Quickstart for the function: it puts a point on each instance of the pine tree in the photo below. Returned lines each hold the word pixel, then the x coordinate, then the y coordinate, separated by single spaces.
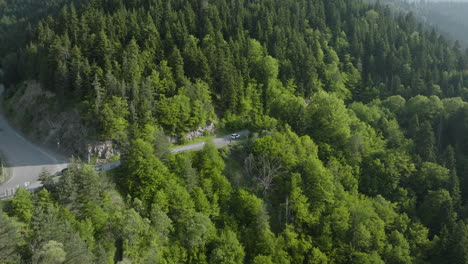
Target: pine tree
pixel 425 142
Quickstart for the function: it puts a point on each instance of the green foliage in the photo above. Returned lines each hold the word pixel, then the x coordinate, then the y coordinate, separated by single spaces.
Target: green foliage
pixel 52 253
pixel 318 185
pixel 22 205
pixel 261 259
pixel 78 187
pixel 252 217
pixel 54 224
pixel 174 112
pixel 196 231
pixel 327 119
pixel 432 177
pixel 357 152
pixel 146 174
pixel 8 240
pixel 399 250
pixel 161 145
pixel 381 173
pixel 365 258
pixel 113 115
pixel 436 209
pixel 228 249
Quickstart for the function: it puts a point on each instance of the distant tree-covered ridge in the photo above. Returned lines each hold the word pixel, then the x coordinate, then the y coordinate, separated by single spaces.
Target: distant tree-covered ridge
pixel 447 16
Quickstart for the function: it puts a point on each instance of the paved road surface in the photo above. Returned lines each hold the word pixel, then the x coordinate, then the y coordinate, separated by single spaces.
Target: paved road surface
pixel 219 142
pixel 25 159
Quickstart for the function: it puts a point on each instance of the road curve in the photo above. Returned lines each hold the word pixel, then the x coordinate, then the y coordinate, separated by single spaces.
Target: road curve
pixel 24 159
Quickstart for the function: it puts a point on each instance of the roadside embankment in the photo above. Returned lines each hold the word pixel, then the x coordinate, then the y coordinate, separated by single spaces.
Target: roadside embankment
pixel 4 171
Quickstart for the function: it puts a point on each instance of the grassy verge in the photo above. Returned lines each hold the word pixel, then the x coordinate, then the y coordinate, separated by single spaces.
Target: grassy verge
pixel 196 140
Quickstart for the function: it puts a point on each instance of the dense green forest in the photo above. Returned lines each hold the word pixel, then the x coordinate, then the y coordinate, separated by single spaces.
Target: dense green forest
pixel 358 154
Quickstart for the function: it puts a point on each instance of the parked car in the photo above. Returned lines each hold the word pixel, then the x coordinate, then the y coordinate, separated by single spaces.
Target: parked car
pixel 235 136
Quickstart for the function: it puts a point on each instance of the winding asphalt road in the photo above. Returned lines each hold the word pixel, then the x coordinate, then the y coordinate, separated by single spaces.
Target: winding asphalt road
pixel 24 159
pixel 219 142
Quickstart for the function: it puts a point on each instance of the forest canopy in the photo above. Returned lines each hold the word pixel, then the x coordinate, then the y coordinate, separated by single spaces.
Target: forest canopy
pixel 357 154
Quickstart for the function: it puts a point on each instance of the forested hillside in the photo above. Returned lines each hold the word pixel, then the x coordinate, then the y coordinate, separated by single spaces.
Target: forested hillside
pixel 359 146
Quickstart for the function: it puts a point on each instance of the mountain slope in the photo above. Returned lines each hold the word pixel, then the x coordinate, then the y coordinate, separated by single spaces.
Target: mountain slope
pixel 358 151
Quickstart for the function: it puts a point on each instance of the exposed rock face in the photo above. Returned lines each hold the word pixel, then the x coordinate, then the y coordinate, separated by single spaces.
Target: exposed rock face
pixel 103 150
pixel 34 112
pixel 210 129
pixel 64 131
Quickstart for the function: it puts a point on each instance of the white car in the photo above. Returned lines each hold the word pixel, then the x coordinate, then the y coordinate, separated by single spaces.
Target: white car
pixel 235 136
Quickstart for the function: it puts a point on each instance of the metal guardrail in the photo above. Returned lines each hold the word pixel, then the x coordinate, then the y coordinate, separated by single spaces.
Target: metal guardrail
pixel 104 167
pixel 9 193
pixel 107 166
